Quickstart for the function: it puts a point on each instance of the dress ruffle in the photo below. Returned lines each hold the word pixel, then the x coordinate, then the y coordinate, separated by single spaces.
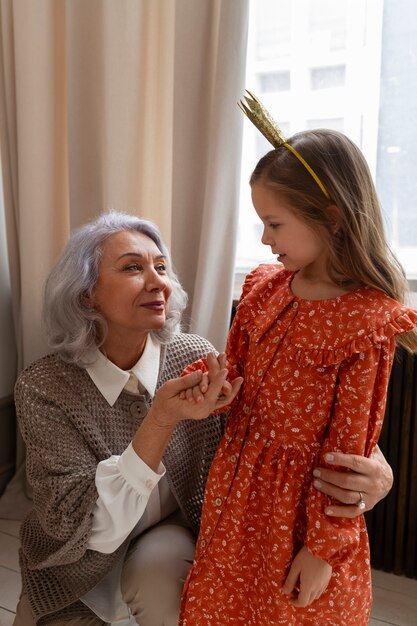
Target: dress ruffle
pixel 327 331
pixel 332 355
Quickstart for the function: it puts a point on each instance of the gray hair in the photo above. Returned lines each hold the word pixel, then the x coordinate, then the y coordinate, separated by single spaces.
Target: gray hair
pixel 71 327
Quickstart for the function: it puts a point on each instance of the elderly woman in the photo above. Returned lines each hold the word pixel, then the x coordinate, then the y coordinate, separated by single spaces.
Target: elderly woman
pixel 116 456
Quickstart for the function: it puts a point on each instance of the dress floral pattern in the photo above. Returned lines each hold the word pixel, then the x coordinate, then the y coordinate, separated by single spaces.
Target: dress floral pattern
pixel 315 380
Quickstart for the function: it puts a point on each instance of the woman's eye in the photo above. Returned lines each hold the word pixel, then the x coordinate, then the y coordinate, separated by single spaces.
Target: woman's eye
pixel 161 268
pixel 132 267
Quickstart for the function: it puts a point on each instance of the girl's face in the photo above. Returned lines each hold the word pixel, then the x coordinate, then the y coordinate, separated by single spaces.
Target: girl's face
pixel 296 244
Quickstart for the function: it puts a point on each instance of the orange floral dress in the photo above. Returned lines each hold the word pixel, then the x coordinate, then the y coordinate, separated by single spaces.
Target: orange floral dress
pixel 315 380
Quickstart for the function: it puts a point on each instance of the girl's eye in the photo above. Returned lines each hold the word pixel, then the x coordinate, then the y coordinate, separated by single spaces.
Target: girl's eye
pixel 274 226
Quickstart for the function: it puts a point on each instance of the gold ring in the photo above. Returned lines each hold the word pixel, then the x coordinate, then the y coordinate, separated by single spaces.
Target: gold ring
pixel 361 502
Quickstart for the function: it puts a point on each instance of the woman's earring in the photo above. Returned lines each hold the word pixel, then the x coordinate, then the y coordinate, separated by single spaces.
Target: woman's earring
pixel 87 303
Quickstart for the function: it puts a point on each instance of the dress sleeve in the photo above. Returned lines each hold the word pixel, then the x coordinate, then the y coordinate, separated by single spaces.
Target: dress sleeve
pixel 124 484
pixel 236 351
pixel 354 428
pixel 237 340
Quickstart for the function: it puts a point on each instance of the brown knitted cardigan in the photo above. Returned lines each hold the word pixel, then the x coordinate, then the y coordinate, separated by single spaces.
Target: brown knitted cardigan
pixel 68 428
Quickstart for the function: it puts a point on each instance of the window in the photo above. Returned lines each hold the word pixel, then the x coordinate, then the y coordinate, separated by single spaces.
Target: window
pixel 274 81
pixel 335 124
pixel 349 65
pixel 327 77
pixel 328 22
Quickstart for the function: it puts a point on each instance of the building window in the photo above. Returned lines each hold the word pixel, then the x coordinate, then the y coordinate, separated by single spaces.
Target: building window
pixel 368 50
pixel 327 77
pixel 274 81
pixel 336 123
pixel 328 23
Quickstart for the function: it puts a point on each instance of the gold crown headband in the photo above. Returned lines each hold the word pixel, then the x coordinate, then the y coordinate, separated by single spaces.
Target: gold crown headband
pixel 263 121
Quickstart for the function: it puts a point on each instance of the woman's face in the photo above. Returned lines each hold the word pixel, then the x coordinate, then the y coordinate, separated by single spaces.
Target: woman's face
pixel 133 288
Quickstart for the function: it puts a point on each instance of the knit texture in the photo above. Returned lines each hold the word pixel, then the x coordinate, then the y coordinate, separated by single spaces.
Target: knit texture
pixel 68 428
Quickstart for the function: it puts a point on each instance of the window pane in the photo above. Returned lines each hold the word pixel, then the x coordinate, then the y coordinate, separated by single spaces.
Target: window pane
pixel 335 124
pixel 355 71
pixel 325 77
pixel 274 81
pixel 272 29
pixel 328 20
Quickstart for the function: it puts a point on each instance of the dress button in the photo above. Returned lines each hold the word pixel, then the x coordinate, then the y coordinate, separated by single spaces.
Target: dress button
pixel 295 305
pixel 218 501
pixel 149 484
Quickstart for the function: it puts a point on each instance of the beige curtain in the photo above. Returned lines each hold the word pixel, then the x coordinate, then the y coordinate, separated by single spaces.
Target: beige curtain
pixel 126 104
pixel 209 72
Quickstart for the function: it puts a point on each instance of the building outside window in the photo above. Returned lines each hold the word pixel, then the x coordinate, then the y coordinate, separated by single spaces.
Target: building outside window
pixel 349 65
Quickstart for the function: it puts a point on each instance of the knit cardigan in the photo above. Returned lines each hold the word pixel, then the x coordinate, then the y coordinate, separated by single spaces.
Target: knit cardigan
pixel 68 428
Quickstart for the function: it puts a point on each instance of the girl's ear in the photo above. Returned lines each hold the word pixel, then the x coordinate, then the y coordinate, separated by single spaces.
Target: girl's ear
pixel 334 214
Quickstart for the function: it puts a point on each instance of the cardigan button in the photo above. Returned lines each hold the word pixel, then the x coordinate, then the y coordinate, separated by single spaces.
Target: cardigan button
pixel 203 543
pixel 138 408
pixel 218 501
pixel 233 458
pixel 260 372
pixel 295 305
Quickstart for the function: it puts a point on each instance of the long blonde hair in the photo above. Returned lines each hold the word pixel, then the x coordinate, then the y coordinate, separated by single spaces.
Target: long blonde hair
pixel 351 221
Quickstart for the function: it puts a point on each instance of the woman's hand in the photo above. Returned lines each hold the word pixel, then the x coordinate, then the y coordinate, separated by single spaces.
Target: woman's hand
pixel 171 405
pixel 308 578
pixel 228 391
pixel 368 479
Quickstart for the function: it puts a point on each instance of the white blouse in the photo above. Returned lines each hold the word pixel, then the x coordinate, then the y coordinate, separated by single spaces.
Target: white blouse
pixel 131 496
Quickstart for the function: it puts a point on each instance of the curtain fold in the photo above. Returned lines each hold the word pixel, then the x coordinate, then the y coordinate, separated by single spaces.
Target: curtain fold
pixel 207 142
pixel 120 98
pixel 128 105
pixel 33 148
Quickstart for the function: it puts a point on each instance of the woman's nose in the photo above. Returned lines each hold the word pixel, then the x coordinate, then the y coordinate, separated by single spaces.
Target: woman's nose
pixel 155 281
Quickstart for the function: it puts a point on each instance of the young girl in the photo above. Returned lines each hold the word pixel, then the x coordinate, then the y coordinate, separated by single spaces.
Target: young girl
pixel 314 338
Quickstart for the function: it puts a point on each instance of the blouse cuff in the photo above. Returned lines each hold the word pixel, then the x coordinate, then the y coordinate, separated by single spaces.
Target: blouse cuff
pixel 136 473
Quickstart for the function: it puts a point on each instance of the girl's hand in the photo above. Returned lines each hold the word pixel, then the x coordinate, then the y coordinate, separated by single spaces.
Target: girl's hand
pixel 372 477
pixel 308 575
pixel 229 390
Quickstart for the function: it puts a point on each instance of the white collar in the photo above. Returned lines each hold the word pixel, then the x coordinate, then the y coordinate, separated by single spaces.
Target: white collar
pixel 110 380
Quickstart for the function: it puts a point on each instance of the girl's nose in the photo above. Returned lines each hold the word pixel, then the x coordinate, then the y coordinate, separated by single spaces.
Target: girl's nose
pixel 266 240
